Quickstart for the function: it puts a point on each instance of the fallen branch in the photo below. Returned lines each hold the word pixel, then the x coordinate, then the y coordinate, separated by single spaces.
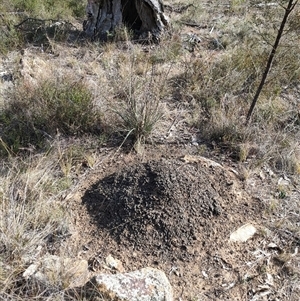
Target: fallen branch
pixel 192 24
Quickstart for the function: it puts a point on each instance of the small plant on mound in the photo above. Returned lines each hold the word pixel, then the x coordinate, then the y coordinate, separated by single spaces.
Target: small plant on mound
pixel 33 115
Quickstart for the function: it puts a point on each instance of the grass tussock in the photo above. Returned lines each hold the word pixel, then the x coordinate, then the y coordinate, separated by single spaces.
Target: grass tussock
pixel 34 114
pixel 31 217
pixel 138 103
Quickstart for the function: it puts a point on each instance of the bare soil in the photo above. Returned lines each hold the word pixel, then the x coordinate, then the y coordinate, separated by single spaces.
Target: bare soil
pixel 176 213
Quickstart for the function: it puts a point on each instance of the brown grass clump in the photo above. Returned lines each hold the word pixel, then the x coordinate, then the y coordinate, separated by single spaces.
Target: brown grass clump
pixel 33 115
pixel 137 100
pixel 31 216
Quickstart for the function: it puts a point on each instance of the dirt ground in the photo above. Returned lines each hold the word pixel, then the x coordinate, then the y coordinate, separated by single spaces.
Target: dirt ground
pixel 173 210
pixel 170 209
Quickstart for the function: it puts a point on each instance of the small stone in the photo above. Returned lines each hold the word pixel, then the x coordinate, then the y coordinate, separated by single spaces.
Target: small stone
pixel 49 267
pixel 272 245
pixel 283 181
pixel 243 233
pixel 114 264
pixel 270 279
pixel 30 271
pixel 262 175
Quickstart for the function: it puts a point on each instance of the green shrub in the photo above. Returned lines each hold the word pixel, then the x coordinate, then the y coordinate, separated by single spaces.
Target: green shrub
pixel 16 11
pixel 34 115
pixel 50 9
pixel 10 38
pixel 77 8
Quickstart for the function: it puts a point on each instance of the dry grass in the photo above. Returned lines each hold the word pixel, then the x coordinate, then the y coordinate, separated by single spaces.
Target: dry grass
pixel 223 80
pixel 53 122
pixel 138 98
pixel 32 215
pixel 33 115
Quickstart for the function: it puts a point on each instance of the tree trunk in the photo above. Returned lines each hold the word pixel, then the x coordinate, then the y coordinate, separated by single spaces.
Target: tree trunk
pixel 144 17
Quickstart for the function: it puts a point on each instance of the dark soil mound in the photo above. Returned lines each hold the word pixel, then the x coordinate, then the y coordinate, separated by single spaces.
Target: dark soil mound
pixel 161 205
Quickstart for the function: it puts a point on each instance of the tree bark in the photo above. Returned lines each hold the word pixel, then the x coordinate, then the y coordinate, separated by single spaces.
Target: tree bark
pixel 142 16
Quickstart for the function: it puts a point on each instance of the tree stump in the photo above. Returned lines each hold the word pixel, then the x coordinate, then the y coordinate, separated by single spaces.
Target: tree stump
pixel 145 17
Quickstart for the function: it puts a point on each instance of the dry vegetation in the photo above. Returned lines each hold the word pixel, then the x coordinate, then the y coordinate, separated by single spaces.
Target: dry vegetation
pixel 63 98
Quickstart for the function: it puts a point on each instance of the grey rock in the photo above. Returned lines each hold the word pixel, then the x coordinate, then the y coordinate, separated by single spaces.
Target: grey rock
pixel 147 284
pixel 243 233
pixel 51 269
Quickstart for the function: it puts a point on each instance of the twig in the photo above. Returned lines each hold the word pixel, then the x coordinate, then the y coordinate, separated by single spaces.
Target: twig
pixel 288 10
pixel 178 9
pixel 191 24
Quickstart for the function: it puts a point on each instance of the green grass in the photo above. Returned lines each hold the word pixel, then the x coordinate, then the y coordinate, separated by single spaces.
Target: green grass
pixel 16 11
pixel 33 115
pixel 45 9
